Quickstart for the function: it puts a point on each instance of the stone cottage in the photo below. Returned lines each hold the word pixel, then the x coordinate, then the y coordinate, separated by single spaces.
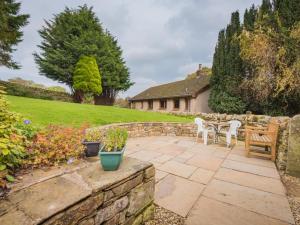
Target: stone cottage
pixel 189 95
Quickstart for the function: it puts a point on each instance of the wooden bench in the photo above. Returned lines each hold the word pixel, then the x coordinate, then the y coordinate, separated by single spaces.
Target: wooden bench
pixel 262 136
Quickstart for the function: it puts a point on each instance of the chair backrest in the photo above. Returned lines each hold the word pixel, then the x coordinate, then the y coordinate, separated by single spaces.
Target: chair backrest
pixel 200 123
pixel 234 126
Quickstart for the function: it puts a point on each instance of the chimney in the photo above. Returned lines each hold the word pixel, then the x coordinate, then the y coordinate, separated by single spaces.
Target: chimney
pixel 198 72
pixel 200 66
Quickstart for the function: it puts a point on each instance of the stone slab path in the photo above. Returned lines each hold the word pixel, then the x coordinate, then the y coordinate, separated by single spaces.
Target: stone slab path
pixel 213 185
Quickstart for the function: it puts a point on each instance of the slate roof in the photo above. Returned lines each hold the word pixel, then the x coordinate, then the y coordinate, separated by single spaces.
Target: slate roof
pixel 182 88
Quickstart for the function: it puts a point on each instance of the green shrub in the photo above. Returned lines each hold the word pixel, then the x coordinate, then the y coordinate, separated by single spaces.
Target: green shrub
pixel 93 135
pixel 12 141
pixel 115 139
pixel 33 92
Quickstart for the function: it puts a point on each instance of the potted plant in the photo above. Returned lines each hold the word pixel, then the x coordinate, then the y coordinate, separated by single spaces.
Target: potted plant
pixel 93 142
pixel 111 153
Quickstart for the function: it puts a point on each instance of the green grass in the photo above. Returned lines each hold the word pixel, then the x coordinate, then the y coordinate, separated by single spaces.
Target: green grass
pixel 44 112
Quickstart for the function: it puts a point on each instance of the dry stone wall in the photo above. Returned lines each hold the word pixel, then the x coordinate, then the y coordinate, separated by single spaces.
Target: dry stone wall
pixel 85 195
pixel 293 163
pixel 189 129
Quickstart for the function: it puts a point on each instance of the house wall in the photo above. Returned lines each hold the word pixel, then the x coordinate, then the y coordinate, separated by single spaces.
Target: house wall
pixel 198 104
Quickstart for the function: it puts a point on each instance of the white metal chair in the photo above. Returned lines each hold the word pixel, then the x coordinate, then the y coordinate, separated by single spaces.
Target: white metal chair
pixel 234 125
pixel 204 130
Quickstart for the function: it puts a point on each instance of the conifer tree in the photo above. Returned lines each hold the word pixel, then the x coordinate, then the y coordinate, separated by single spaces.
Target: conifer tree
pixel 86 78
pixel 11 23
pixel 77 32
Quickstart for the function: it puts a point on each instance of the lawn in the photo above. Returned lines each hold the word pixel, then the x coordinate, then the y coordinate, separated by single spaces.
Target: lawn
pixel 44 112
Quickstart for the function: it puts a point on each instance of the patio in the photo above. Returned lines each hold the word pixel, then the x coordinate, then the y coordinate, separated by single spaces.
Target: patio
pixel 213 185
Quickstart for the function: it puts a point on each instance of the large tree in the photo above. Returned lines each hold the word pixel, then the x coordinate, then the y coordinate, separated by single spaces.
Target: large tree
pixel 227 70
pixel 77 32
pixel 86 77
pixel 11 22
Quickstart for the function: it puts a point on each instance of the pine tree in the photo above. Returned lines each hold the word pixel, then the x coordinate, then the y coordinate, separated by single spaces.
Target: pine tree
pixel 10 34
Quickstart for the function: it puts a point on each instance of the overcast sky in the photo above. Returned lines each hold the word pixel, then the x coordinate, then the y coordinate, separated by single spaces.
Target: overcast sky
pixel 162 40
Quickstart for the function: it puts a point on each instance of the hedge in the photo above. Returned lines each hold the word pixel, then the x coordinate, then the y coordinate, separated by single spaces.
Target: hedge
pixel 33 92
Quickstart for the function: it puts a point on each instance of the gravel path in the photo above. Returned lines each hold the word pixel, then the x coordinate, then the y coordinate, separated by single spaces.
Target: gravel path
pixel 165 217
pixel 292 185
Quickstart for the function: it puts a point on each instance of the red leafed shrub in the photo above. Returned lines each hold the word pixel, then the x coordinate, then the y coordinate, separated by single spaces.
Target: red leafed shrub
pixel 54 145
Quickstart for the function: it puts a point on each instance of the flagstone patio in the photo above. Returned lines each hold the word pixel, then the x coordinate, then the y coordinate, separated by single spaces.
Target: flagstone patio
pixel 213 185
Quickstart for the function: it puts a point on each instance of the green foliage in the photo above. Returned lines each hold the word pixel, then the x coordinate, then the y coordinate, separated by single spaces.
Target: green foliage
pixel 57 89
pixel 54 145
pixel 86 77
pixel 115 139
pixel 227 70
pixel 11 23
pixel 222 102
pixel 93 135
pixel 12 141
pixel 257 64
pixel 77 32
pixel 33 92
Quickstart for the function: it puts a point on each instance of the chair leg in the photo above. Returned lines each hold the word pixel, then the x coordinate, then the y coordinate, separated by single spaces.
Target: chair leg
pixel 205 136
pixel 273 152
pixel 228 139
pixel 247 147
pixel 236 140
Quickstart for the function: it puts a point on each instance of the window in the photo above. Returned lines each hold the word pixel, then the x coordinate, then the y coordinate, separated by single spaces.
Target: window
pixel 187 104
pixel 142 104
pixel 176 103
pixel 133 105
pixel 163 104
pixel 150 104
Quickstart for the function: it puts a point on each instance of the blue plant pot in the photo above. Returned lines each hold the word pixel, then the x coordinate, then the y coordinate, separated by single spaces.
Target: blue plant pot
pixel 110 161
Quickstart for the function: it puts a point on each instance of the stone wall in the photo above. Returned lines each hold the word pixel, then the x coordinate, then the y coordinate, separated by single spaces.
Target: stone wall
pixel 293 163
pixel 83 195
pixel 189 129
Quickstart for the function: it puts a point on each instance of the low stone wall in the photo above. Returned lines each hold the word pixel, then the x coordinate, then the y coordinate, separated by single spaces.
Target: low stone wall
pixel 293 163
pixel 84 195
pixel 189 129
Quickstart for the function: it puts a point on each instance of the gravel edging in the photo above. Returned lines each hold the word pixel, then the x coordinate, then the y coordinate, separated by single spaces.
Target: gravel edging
pixel 165 217
pixel 292 185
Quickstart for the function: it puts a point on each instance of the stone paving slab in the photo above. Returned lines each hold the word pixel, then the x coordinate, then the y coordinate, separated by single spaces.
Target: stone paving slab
pixel 215 185
pixel 272 205
pixel 250 168
pixel 145 155
pixel 171 149
pixel 251 180
pixel 160 175
pixel 211 212
pixel 177 168
pixel 205 162
pixel 162 158
pixel 255 161
pixel 177 194
pixel 15 217
pixel 202 176
pixel 39 201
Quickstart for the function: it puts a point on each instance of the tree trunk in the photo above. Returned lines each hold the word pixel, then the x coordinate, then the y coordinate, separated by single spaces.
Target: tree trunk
pixel 78 96
pixel 106 98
